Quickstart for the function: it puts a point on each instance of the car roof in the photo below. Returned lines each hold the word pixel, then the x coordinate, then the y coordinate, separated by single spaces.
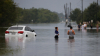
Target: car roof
pixel 18 26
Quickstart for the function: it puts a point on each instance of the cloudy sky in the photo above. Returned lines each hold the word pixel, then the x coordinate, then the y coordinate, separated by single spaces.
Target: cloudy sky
pixel 53 5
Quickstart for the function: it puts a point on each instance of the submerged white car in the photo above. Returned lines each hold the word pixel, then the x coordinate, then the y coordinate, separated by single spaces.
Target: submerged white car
pixel 19 31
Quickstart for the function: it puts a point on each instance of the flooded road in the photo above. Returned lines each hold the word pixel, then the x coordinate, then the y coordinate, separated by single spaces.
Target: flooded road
pixel 86 43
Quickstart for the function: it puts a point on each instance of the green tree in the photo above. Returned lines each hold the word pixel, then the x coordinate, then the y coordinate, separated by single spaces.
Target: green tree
pixel 91 12
pixel 61 16
pixel 37 15
pixel 19 12
pixel 7 12
pixel 75 14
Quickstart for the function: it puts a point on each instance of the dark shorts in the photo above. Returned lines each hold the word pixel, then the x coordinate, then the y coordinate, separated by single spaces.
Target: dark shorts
pixel 91 26
pixel 84 27
pixel 56 37
pixel 71 37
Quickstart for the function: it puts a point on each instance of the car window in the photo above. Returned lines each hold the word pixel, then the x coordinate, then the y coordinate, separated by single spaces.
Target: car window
pixel 28 29
pixel 15 28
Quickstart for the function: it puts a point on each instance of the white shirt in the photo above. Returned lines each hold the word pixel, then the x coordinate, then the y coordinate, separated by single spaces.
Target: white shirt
pixel 82 27
pixel 85 25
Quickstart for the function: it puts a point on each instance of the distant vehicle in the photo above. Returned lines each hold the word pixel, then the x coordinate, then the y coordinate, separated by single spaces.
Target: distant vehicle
pixel 19 31
pixel 72 24
pixel 69 24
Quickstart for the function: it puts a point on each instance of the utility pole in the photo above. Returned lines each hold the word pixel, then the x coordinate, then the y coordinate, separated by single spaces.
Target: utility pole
pixel 68 12
pixel 97 11
pixel 82 11
pixel 70 8
pixel 65 8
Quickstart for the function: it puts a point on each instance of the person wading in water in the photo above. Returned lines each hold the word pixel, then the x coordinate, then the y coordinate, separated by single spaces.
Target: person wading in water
pixel 56 34
pixel 71 33
pixel 79 26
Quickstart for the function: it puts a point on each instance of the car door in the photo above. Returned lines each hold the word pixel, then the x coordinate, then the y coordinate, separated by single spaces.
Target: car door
pixel 30 32
pixel 27 31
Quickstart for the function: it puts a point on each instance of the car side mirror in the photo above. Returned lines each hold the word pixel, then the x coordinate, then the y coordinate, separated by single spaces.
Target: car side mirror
pixel 33 31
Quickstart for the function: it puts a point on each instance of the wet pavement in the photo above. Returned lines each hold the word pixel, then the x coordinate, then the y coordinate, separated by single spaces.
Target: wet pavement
pixel 86 43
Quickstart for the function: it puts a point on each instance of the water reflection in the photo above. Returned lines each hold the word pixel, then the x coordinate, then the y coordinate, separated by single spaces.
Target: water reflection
pixel 18 40
pixel 86 43
pixel 71 45
pixel 14 39
pixel 97 26
pixel 97 30
pixel 71 40
pixel 56 45
pixel 56 49
pixel 3 46
pixel 18 43
pixel 84 32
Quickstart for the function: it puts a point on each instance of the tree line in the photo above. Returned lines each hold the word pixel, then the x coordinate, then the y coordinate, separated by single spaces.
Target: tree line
pixel 34 15
pixel 92 12
pixel 10 14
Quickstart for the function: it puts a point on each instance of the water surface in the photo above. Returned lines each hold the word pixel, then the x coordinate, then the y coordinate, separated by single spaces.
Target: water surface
pixel 86 43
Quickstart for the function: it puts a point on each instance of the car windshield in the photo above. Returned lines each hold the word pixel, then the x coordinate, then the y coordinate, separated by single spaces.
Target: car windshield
pixel 15 28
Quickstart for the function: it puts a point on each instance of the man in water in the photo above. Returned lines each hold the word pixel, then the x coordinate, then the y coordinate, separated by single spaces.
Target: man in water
pixel 91 26
pixel 56 33
pixel 79 26
pixel 71 33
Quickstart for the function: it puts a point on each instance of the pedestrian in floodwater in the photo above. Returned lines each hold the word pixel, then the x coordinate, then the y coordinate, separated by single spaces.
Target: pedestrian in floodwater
pixel 56 34
pixel 79 26
pixel 85 26
pixel 82 27
pixel 97 26
pixel 71 33
pixel 91 26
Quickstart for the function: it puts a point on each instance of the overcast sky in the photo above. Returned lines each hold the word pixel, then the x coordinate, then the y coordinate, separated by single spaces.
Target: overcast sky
pixel 53 5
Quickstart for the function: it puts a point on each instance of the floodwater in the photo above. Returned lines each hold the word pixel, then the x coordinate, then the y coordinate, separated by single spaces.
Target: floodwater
pixel 86 43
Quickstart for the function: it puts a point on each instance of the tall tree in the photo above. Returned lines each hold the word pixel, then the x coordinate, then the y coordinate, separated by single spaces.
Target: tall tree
pixel 75 14
pixel 7 12
pixel 91 12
